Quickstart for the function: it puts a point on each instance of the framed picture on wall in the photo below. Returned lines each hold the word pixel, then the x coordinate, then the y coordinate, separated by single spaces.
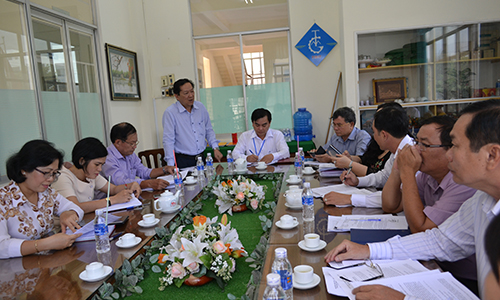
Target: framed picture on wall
pixel 388 90
pixel 122 73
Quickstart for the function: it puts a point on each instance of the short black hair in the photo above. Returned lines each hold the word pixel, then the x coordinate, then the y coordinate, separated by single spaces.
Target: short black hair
pixel 345 112
pixel 479 106
pixel 393 120
pixel 261 113
pixel 492 245
pixel 484 128
pixel 445 125
pixel 389 104
pixel 121 131
pixel 179 83
pixel 88 148
pixel 35 153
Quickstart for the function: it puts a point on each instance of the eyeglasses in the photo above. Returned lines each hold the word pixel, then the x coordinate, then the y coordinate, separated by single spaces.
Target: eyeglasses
pixel 132 143
pixel 424 146
pixel 372 276
pixel 338 125
pixel 47 175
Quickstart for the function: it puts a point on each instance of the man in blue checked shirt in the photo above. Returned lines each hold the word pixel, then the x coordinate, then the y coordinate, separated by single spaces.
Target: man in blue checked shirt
pixel 187 128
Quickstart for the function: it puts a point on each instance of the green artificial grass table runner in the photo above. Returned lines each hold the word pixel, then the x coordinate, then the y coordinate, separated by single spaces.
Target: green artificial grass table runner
pixel 249 229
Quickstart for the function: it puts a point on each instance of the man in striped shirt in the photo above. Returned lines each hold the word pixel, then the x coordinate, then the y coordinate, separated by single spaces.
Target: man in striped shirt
pixel 474 160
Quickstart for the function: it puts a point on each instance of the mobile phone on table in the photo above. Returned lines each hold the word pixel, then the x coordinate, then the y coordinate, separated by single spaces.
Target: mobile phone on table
pixel 318 152
pixel 335 149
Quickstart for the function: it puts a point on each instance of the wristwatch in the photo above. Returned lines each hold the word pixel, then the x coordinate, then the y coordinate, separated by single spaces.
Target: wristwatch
pixel 164 172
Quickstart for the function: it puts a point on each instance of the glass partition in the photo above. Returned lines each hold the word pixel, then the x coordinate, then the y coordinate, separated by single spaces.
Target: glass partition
pixel 52 73
pixel 19 121
pixel 78 9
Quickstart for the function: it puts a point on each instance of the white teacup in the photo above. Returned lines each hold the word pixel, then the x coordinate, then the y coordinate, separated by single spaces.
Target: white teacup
pixel 127 239
pixel 294 178
pixel 94 270
pixel 311 240
pixel 261 164
pixel 287 220
pixel 190 179
pixel 303 274
pixel 149 218
pixel 308 170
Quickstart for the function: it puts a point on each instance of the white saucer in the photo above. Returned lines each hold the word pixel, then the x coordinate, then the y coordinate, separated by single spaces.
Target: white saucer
pixel 261 168
pixel 292 206
pixel 120 245
pixel 240 171
pixel 294 182
pixel 146 225
pixel 295 223
pixel 302 245
pixel 301 286
pixel 308 173
pixel 190 182
pixel 171 209
pixel 107 271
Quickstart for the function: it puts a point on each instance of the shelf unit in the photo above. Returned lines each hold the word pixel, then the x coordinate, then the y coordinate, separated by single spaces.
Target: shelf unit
pixel 446 67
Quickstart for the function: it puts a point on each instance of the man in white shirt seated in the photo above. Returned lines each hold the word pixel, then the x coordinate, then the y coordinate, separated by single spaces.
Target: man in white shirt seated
pixel 262 143
pixel 474 161
pixel 390 127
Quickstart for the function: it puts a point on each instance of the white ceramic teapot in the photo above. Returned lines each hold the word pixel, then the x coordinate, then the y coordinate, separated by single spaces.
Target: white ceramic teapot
pixel 240 164
pixel 294 196
pixel 167 201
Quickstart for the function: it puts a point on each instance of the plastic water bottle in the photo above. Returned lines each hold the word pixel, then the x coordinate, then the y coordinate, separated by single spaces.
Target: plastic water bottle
pixel 273 290
pixel 210 163
pixel 200 167
pixel 282 267
pixel 230 161
pixel 298 164
pixel 302 155
pixel 101 232
pixel 308 208
pixel 179 185
pixel 302 125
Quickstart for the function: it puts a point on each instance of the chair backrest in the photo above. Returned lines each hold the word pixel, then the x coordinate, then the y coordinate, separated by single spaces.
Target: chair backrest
pixel 152 158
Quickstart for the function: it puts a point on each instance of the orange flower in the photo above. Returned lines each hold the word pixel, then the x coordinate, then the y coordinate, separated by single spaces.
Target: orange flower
pixel 228 251
pixel 224 184
pixel 238 253
pixel 230 182
pixel 161 258
pixel 199 220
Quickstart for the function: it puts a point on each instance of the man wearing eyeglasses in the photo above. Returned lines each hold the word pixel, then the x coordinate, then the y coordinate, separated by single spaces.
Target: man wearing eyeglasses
pixel 430 196
pixel 124 166
pixel 474 161
pixel 346 136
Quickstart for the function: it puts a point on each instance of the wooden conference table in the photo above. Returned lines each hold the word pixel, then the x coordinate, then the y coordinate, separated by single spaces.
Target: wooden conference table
pixel 57 273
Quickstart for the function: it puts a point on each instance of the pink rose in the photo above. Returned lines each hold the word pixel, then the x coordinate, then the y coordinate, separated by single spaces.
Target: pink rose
pixel 177 270
pixel 219 247
pixel 243 185
pixel 254 203
pixel 240 196
pixel 193 267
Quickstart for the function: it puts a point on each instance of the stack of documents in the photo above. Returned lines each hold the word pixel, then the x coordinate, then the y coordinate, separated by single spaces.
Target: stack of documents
pixel 329 170
pixel 348 222
pixel 406 276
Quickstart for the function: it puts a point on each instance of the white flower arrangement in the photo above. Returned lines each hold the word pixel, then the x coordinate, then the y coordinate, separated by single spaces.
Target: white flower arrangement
pixel 209 249
pixel 238 192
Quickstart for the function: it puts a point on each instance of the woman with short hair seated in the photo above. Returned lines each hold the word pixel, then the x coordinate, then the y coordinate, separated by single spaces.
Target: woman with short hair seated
pixel 79 182
pixel 29 204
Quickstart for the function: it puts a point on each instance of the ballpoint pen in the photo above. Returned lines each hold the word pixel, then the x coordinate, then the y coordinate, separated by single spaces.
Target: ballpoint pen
pixel 347 174
pixel 115 236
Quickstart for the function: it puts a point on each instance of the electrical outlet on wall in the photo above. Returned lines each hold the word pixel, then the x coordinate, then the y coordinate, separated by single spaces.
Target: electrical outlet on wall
pixel 171 79
pixel 164 80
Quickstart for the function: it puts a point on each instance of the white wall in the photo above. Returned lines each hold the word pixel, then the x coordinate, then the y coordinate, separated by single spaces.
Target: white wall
pixel 315 87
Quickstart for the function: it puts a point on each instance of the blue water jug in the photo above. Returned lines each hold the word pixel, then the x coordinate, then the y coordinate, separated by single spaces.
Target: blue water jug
pixel 302 125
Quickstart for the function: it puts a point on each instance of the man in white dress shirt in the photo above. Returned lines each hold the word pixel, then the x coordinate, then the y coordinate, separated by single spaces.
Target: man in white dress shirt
pixel 474 161
pixel 262 143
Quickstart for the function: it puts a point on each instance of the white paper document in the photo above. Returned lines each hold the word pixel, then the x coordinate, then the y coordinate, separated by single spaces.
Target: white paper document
pixel 320 192
pixel 348 222
pixel 428 286
pixel 390 269
pixel 88 229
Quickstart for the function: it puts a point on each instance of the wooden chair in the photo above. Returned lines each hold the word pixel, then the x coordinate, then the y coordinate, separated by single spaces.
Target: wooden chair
pixel 152 158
